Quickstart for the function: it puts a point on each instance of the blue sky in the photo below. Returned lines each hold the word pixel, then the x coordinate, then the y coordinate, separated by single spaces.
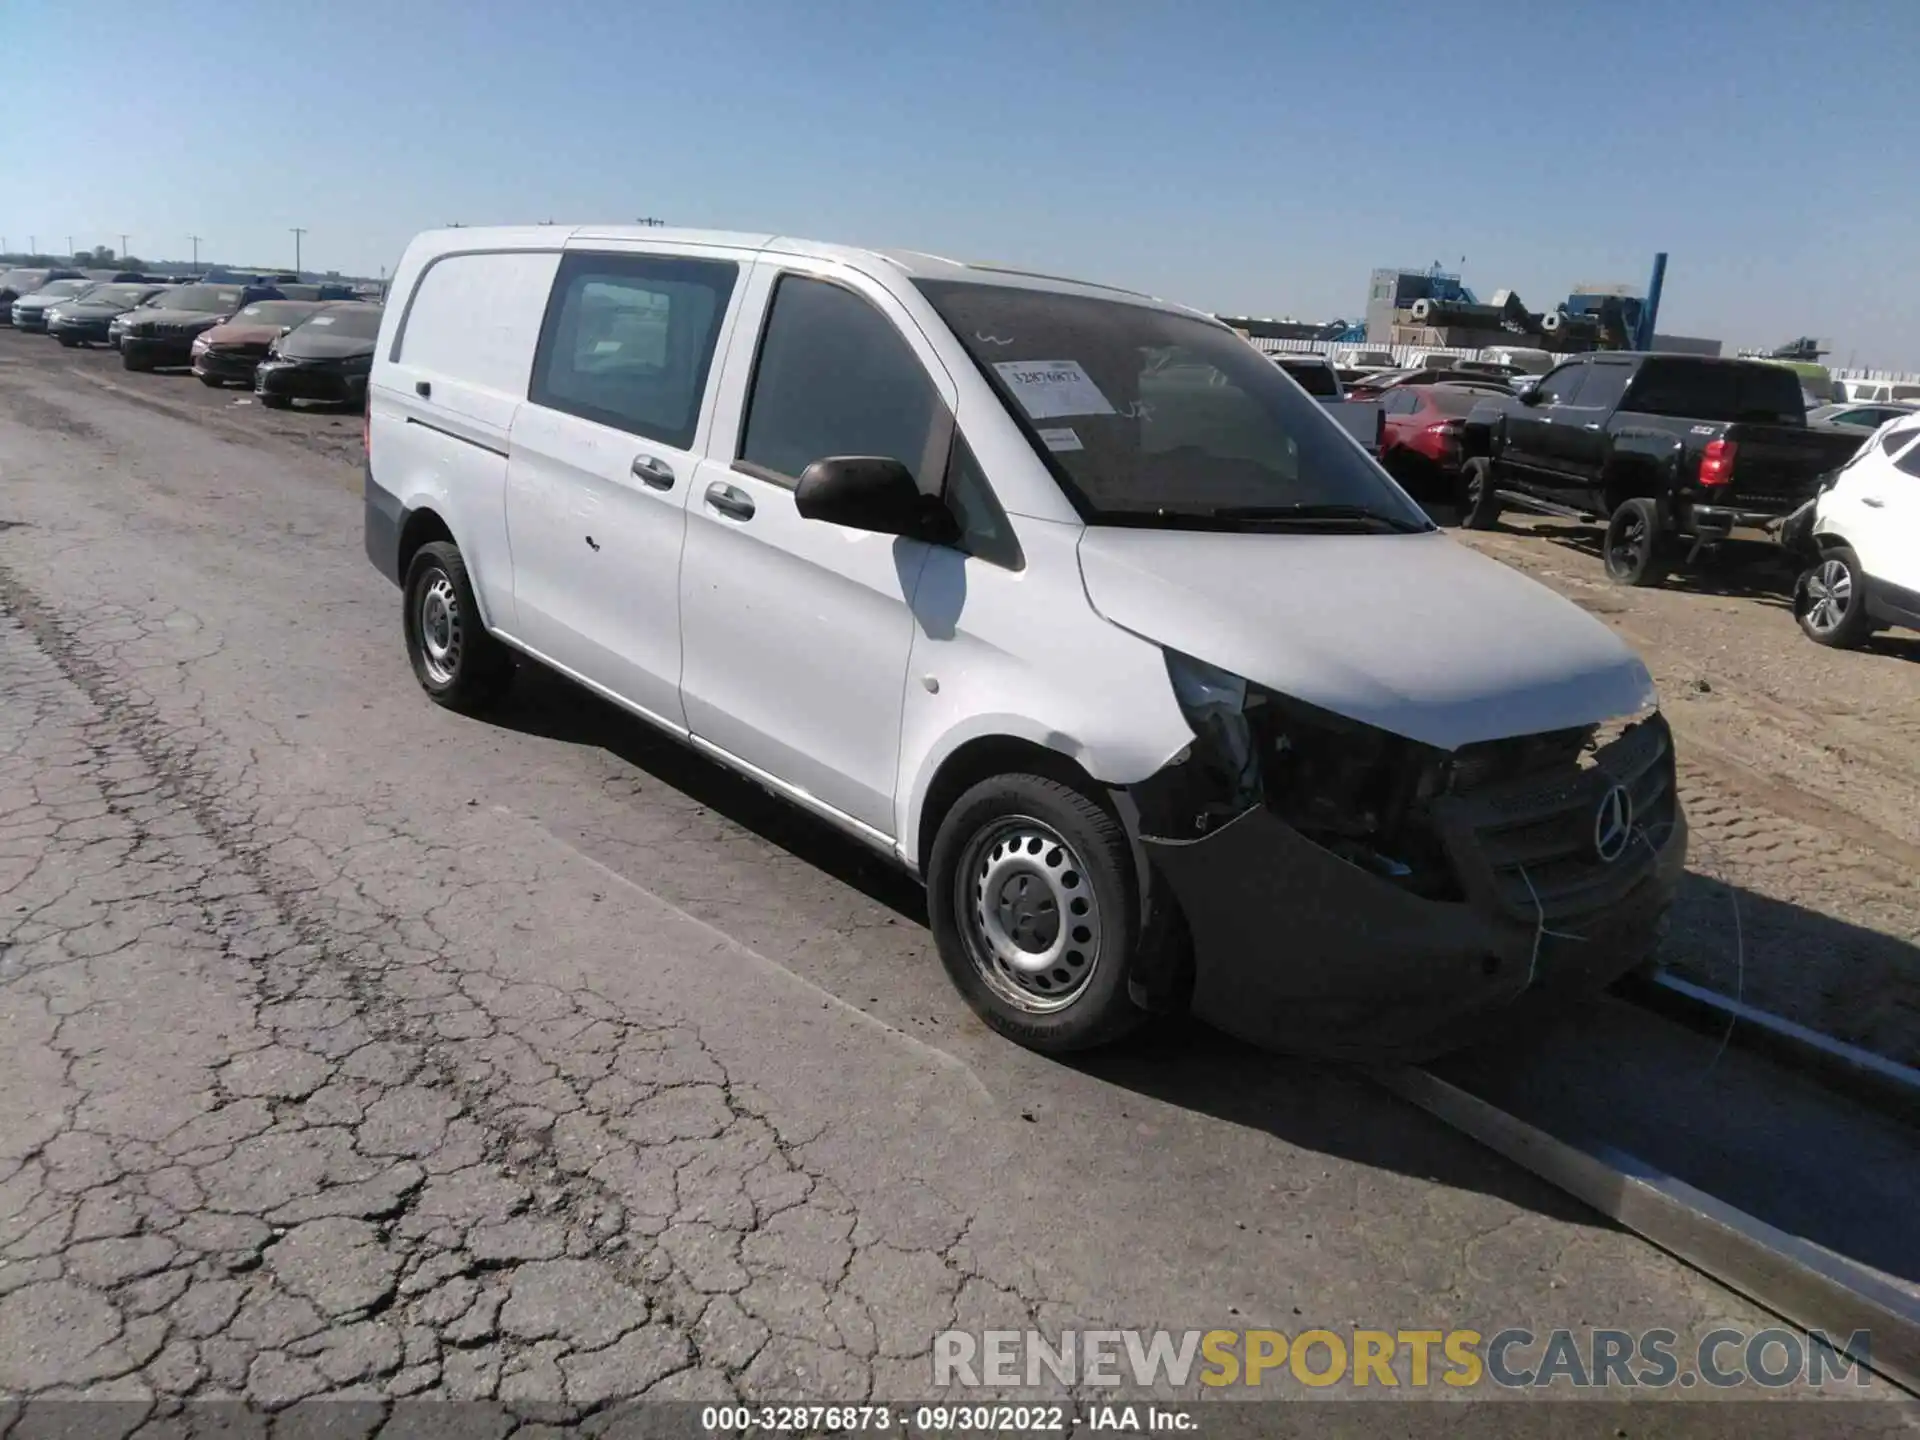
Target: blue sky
pixel 1258 158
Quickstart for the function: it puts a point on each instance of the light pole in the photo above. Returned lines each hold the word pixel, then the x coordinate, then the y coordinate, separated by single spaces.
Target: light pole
pixel 298 231
pixel 123 244
pixel 69 247
pixel 196 250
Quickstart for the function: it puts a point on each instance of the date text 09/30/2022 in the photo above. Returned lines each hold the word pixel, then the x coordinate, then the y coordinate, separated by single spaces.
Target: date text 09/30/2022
pixel 1138 1419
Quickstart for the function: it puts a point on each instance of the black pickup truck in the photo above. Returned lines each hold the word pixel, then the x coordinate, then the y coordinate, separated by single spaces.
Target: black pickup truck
pixel 1666 449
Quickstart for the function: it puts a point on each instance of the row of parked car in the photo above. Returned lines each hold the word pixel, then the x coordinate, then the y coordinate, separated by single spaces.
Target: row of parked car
pixel 285 340
pixel 1676 456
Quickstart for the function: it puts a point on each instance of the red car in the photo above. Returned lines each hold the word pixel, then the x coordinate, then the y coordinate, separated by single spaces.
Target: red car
pixel 1420 432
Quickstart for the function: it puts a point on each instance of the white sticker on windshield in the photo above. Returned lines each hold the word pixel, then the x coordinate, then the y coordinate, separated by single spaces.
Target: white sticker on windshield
pixel 1048 388
pixel 321 320
pixel 1061 439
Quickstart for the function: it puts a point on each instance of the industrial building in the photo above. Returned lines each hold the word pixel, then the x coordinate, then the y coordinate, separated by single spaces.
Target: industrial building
pixel 1434 308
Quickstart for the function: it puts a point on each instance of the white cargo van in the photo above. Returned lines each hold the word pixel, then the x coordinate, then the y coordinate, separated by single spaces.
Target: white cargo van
pixel 1064 598
pixel 1899 391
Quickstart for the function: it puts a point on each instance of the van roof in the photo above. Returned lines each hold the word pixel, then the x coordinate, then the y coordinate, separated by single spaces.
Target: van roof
pixel 915 264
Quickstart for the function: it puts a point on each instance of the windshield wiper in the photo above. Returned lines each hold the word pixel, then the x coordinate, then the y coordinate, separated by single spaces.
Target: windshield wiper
pixel 1319 515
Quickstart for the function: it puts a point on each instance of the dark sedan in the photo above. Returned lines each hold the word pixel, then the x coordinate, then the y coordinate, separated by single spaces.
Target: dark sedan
pixel 163 334
pixel 324 358
pixel 30 311
pixel 17 283
pixel 85 319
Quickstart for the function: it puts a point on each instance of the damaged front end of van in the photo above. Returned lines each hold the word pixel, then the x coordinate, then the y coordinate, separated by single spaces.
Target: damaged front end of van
pixel 1354 893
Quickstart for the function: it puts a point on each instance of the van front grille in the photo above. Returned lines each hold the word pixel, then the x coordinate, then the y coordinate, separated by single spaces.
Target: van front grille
pixel 1550 842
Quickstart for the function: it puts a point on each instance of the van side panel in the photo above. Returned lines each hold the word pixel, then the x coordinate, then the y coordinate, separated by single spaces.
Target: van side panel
pixel 1022 655
pixel 447 383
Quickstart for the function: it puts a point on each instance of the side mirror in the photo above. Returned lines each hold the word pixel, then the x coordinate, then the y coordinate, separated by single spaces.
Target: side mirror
pixel 875 493
pixel 1530 396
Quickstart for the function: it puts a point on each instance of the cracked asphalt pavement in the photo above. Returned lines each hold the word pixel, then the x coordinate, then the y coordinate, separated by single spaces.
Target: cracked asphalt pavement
pixel 351 1047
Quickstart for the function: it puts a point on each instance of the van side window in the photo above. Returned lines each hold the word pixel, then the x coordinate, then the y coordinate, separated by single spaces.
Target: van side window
pixel 628 341
pixel 985 532
pixel 835 378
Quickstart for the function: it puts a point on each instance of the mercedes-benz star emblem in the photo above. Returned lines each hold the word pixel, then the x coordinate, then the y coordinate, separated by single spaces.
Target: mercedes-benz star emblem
pixel 1613 824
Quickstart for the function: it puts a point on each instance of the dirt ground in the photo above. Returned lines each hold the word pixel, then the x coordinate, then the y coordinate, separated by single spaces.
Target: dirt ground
pixel 1799 770
pixel 1799 766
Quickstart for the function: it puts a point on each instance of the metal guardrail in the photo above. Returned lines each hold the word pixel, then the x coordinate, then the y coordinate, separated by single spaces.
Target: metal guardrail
pixel 1877 1082
pixel 1797 1280
pixel 1804 1281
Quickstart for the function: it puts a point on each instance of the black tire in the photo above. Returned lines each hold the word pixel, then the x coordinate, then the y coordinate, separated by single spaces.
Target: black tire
pixel 67 342
pixel 1830 600
pixel 1635 550
pixel 1012 827
pixel 275 402
pixel 134 360
pixel 455 660
pixel 212 382
pixel 1479 501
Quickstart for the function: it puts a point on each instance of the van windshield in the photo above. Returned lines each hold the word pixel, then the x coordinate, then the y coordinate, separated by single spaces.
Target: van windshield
pixel 1152 418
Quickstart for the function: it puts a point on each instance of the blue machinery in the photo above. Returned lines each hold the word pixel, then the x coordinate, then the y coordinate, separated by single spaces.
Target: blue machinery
pixel 1649 312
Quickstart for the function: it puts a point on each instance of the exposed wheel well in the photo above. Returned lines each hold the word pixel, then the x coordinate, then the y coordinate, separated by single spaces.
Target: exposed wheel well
pixel 423 527
pixel 983 758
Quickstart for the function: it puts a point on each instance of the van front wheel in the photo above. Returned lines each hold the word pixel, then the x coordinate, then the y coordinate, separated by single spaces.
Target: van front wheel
pixel 457 662
pixel 1033 902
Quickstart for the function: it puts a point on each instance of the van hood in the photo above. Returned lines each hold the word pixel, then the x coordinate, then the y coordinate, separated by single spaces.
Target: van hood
pixel 1414 634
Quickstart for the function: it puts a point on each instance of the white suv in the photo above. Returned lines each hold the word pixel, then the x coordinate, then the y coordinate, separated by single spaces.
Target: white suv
pixel 1064 598
pixel 1866 525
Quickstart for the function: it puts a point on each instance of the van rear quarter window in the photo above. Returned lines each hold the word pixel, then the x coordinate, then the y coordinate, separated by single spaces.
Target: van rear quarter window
pixel 473 318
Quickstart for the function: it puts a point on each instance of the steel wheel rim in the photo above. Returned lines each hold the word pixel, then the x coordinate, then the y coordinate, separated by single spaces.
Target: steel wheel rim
pixel 1029 914
pixel 440 629
pixel 1829 595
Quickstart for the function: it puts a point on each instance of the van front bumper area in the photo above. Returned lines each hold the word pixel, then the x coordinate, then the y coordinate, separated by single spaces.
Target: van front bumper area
pixel 1298 949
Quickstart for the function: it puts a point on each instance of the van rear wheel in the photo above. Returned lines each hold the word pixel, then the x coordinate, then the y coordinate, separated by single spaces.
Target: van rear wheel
pixel 1034 907
pixel 456 661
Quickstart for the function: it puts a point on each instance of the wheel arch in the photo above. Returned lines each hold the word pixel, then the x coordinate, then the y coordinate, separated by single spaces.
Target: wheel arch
pixel 1635 476
pixel 981 757
pixel 421 527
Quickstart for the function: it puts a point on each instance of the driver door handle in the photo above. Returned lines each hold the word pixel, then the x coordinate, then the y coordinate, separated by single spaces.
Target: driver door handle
pixel 730 500
pixel 1874 500
pixel 656 474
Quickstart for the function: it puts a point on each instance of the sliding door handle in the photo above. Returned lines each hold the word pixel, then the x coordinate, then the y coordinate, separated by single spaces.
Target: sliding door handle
pixel 651 472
